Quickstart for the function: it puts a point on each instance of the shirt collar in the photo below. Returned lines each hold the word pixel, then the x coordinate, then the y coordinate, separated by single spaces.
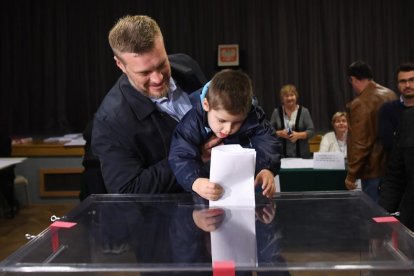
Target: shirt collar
pixel 171 90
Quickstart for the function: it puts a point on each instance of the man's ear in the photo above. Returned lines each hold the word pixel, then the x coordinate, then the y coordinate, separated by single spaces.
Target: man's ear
pixel 119 64
pixel 206 107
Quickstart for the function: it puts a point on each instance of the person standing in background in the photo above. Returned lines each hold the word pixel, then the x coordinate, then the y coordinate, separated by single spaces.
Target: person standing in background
pixel 366 156
pixel 397 187
pixel 293 124
pixel 390 112
pixel 7 178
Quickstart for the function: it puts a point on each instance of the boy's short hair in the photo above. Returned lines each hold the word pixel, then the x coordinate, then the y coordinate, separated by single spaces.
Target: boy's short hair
pixel 133 34
pixel 232 91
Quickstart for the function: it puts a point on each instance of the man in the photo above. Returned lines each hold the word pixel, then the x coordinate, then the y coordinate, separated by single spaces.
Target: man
pixel 7 177
pixel 390 112
pixel 397 187
pixel 366 156
pixel 132 128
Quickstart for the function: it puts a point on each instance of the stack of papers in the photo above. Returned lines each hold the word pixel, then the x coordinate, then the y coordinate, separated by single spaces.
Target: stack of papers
pixel 73 139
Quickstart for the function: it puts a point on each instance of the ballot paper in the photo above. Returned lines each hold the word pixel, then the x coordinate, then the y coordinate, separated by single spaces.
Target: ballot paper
pixel 329 160
pixel 235 238
pixel 233 166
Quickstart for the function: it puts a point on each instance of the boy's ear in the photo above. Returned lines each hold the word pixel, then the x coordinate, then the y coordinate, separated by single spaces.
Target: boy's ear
pixel 206 107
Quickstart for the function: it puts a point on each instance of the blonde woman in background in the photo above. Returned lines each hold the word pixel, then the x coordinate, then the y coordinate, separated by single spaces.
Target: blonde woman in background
pixel 335 141
pixel 293 124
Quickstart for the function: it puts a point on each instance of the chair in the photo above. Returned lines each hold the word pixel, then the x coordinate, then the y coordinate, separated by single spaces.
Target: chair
pixel 20 180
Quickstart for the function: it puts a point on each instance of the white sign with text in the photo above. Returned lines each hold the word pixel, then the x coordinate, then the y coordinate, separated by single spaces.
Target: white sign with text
pixel 329 160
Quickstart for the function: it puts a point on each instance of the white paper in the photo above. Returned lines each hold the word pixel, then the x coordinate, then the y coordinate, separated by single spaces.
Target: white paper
pixel 56 140
pixel 73 135
pixel 296 163
pixel 235 239
pixel 277 183
pixel 329 160
pixel 233 166
pixel 6 162
pixel 75 142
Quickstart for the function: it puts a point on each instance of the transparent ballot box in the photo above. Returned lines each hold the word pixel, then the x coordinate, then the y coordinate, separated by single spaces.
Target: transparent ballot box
pixel 324 233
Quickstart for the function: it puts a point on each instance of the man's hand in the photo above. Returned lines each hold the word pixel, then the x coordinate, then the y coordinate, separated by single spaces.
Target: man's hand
pixel 206 148
pixel 207 189
pixel 350 185
pixel 267 179
pixel 208 220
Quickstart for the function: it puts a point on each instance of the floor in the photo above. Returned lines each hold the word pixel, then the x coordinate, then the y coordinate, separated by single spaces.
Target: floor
pixel 30 220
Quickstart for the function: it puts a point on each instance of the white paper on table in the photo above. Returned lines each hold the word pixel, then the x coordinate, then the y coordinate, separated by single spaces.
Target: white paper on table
pixel 296 163
pixel 233 166
pixel 329 160
pixel 235 239
pixel 75 142
pixel 10 161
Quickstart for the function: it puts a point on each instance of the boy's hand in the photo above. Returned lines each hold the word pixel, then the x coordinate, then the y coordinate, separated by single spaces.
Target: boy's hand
pixel 208 220
pixel 266 214
pixel 267 179
pixel 207 189
pixel 206 148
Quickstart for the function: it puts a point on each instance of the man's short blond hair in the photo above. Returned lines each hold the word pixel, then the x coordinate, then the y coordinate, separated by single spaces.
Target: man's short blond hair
pixel 133 34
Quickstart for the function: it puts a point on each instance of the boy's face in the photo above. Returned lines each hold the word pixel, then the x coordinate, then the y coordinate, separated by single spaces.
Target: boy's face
pixel 221 122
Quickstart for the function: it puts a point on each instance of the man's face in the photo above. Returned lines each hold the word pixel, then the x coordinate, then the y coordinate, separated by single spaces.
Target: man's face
pixel 355 83
pixel 406 84
pixel 148 72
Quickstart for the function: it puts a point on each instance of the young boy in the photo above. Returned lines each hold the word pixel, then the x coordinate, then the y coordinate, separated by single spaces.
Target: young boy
pixel 223 113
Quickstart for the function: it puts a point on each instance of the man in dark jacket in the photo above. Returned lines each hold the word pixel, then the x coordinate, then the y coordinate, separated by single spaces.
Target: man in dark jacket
pixel 397 187
pixel 390 112
pixel 7 177
pixel 133 126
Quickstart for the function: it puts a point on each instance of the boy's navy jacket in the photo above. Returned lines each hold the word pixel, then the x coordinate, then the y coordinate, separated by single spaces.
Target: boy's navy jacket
pixel 192 132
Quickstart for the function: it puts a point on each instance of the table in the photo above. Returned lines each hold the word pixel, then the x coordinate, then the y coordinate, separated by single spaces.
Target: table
pixel 53 170
pixel 10 161
pixel 293 180
pixel 330 232
pixel 37 148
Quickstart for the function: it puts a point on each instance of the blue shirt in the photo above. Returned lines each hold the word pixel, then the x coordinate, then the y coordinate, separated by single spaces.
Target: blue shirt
pixel 176 103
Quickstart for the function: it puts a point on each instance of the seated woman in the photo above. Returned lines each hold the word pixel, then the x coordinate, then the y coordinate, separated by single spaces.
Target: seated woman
pixel 335 141
pixel 293 124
